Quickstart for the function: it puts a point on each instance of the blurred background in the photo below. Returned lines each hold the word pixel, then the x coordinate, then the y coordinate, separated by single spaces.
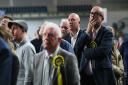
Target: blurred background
pixel 35 12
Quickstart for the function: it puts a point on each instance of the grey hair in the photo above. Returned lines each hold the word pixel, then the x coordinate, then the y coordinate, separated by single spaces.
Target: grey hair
pixel 42 27
pixel 63 21
pixel 47 25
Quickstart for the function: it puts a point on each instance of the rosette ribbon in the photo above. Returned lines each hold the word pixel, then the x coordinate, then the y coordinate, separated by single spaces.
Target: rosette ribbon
pixel 93 44
pixel 58 61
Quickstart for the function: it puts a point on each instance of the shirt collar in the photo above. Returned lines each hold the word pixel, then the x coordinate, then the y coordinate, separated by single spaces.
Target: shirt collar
pixel 53 54
pixel 75 36
pixel 22 42
pixel 97 30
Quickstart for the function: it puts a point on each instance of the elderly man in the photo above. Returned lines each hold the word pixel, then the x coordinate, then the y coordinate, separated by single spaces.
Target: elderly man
pixel 96 45
pixel 24 50
pixel 64 26
pixel 53 63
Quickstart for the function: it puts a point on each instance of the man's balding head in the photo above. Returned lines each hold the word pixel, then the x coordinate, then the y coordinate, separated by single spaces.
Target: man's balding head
pixel 98 10
pixel 74 21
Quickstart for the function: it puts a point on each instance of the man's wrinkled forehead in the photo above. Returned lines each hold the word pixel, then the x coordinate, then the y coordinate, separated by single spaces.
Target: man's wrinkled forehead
pixel 48 29
pixel 74 16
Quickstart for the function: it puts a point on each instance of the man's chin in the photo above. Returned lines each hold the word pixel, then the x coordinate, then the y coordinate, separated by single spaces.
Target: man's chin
pixel 96 25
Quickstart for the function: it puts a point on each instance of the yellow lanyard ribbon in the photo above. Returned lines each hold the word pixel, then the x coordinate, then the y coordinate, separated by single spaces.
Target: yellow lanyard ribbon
pixel 60 81
pixel 58 61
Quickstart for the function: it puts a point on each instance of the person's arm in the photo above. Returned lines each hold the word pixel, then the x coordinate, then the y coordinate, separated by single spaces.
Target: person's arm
pixel 28 64
pixel 124 53
pixel 82 41
pixel 72 71
pixel 5 66
pixel 85 38
pixel 102 50
pixel 120 61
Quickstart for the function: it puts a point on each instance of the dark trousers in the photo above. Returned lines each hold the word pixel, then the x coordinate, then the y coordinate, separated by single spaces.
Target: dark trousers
pixel 104 76
pixel 87 79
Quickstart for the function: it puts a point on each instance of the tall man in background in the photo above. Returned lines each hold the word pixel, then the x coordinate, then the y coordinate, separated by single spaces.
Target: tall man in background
pixel 96 45
pixel 75 31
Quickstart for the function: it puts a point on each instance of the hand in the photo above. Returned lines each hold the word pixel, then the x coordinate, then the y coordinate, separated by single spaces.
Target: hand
pixel 91 24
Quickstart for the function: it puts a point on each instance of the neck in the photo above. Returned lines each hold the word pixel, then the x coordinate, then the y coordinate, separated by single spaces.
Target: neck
pixel 97 27
pixel 73 33
pixel 23 37
pixel 51 51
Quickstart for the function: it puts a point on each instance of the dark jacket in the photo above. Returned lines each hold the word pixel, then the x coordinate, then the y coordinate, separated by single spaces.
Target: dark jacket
pixel 101 55
pixel 66 46
pixel 124 53
pixel 68 38
pixel 37 44
pixel 6 35
pixel 6 61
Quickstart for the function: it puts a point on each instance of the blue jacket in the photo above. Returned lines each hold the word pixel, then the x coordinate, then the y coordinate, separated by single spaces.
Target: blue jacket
pixel 102 53
pixel 124 53
pixel 5 63
pixel 66 46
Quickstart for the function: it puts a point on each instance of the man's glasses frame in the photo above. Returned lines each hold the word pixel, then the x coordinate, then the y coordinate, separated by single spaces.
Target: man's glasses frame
pixel 96 14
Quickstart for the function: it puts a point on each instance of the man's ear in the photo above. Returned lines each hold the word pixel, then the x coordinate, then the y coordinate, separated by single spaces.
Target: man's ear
pixel 79 22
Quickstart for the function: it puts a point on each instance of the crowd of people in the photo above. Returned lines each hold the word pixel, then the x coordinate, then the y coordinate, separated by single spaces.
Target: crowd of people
pixel 62 54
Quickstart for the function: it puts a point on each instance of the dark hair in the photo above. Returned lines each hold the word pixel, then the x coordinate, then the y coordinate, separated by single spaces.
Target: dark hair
pixel 6 17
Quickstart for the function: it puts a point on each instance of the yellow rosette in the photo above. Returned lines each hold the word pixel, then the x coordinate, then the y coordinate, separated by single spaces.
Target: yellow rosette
pixel 58 61
pixel 93 44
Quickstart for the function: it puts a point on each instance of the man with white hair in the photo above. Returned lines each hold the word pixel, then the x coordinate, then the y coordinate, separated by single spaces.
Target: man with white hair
pixel 65 28
pixel 54 66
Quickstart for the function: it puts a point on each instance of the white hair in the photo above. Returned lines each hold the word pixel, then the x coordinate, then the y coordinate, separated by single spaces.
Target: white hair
pixel 48 25
pixel 42 27
pixel 63 21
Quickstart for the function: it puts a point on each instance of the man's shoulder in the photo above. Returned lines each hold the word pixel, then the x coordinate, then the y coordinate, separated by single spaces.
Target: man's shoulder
pixel 28 45
pixel 104 31
pixel 81 31
pixel 65 43
pixel 65 53
pixel 40 53
pixel 105 28
pixel 39 57
pixel 125 43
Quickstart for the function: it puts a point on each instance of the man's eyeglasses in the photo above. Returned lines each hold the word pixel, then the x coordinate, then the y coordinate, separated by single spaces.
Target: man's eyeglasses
pixel 96 14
